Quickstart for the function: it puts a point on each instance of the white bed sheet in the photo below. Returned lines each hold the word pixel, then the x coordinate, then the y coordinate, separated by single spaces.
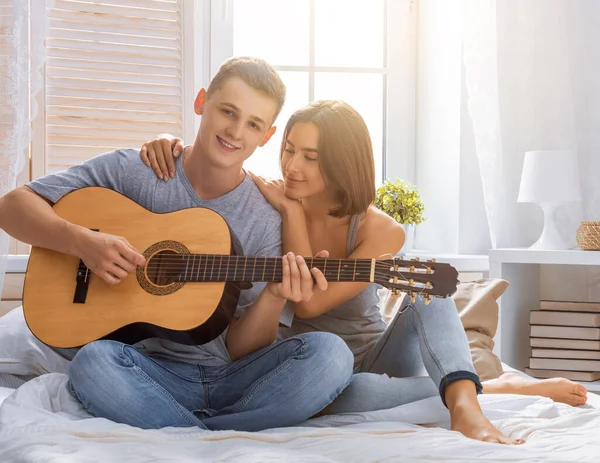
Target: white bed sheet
pixel 4 393
pixel 42 422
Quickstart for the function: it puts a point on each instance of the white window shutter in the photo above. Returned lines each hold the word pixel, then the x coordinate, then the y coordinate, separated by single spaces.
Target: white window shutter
pixel 113 77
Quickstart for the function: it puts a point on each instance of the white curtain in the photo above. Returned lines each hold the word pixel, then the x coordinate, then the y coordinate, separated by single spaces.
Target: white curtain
pixel 23 26
pixel 532 72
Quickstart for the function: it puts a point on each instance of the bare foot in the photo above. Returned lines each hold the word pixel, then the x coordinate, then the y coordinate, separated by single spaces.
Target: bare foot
pixel 474 425
pixel 558 389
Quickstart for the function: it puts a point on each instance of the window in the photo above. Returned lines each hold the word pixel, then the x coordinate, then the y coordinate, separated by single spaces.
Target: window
pixel 120 72
pixel 114 78
pixel 360 51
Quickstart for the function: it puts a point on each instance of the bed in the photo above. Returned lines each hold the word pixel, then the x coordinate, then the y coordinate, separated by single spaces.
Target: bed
pixel 40 421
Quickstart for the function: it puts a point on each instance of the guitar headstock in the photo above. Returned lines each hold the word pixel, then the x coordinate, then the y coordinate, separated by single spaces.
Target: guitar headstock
pixel 417 278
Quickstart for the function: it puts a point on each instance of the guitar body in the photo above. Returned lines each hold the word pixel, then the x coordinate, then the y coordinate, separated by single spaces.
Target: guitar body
pixel 137 308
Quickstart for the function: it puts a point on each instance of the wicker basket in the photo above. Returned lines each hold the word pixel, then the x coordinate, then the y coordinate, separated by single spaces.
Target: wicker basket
pixel 588 236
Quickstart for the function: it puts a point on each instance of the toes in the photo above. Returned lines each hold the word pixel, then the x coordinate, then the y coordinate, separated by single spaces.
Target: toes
pixel 509 441
pixel 574 388
pixel 576 400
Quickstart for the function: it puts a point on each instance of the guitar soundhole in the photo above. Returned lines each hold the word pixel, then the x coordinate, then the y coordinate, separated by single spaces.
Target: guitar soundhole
pixel 163 268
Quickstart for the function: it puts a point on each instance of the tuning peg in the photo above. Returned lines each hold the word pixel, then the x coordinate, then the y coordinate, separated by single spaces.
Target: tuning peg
pixel 411 282
pixel 416 259
pixel 413 296
pixel 428 285
pixel 428 299
pixel 432 260
pixel 429 270
pixel 411 269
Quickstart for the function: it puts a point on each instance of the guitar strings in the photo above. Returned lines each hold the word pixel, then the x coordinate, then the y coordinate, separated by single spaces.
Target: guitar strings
pixel 226 268
pixel 261 265
pixel 279 272
pixel 181 265
pixel 272 261
pixel 277 266
pixel 221 277
pixel 178 266
pixel 271 267
pixel 273 271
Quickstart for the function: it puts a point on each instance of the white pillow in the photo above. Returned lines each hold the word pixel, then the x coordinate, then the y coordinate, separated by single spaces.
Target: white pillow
pixel 21 353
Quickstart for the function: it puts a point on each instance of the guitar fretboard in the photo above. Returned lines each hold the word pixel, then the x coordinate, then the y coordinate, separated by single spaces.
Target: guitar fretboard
pixel 217 267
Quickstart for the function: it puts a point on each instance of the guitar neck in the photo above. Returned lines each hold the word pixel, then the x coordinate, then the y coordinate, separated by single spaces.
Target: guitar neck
pixel 216 267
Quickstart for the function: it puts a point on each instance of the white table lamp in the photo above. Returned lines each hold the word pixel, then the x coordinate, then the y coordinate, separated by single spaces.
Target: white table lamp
pixel 550 179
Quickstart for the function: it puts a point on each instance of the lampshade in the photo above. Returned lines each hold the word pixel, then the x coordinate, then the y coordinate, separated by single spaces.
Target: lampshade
pixel 550 177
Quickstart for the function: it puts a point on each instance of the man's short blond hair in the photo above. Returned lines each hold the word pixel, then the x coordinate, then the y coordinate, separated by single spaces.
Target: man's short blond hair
pixel 256 72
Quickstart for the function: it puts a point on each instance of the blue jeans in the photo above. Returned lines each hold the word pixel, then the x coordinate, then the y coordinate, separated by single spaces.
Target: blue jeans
pixel 279 385
pixel 423 350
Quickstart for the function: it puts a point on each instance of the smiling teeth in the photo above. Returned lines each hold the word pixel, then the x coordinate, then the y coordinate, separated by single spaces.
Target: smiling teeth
pixel 227 144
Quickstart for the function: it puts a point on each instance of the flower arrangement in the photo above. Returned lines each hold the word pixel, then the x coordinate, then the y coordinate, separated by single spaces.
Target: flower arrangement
pixel 401 201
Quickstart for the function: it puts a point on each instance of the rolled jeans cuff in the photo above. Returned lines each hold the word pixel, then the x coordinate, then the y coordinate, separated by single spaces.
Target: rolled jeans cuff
pixel 455 376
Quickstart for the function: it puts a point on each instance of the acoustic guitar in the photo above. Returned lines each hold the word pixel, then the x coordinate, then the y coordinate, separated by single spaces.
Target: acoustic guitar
pixel 188 289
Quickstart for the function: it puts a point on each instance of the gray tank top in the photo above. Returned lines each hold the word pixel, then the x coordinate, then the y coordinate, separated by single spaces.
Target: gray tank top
pixel 357 321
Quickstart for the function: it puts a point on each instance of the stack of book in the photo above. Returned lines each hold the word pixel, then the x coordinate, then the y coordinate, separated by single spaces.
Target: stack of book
pixel 565 340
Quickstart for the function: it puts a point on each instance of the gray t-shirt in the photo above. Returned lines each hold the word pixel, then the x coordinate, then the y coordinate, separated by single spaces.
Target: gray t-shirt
pixel 256 224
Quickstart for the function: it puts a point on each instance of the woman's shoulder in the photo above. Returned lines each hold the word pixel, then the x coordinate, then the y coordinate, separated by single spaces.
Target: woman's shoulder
pixel 377 219
pixel 376 225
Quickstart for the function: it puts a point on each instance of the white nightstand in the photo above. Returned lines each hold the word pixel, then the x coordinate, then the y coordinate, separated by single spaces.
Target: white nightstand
pixel 521 268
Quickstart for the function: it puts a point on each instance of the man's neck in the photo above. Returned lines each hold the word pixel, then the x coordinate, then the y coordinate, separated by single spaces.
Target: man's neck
pixel 209 181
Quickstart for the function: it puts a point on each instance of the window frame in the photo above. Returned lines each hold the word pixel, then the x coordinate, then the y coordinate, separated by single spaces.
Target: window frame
pixel 399 114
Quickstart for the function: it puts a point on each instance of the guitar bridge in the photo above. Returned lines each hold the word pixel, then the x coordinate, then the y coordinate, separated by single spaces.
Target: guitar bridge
pixel 83 279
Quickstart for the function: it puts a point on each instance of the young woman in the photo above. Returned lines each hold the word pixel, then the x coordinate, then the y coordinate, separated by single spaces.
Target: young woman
pixel 325 201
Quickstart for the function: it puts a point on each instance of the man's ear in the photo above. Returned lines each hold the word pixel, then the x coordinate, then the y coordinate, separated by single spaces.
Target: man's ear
pixel 267 136
pixel 199 103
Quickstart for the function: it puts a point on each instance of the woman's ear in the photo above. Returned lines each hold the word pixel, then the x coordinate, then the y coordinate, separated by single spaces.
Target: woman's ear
pixel 267 136
pixel 199 103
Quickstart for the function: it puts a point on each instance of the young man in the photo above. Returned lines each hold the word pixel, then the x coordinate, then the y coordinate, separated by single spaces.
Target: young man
pixel 240 380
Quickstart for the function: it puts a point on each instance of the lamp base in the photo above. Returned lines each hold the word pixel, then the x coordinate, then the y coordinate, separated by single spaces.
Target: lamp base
pixel 550 237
